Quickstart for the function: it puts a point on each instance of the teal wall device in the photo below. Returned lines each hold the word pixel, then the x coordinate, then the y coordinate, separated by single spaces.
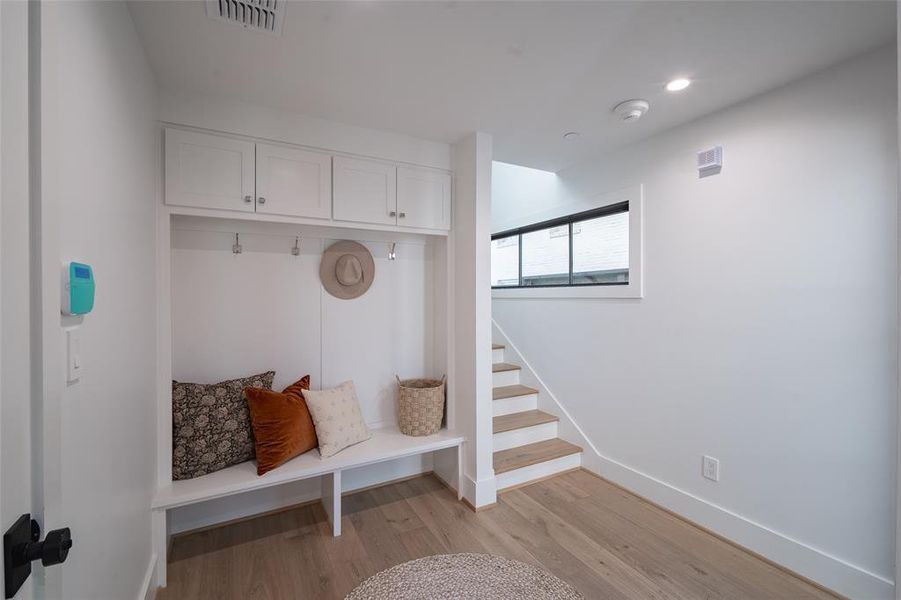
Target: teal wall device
pixel 78 289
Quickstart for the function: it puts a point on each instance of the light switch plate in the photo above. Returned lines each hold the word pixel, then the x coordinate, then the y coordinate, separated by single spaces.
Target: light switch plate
pixel 73 355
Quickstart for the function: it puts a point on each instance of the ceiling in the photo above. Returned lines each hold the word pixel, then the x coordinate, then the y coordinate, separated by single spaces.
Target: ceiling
pixel 526 72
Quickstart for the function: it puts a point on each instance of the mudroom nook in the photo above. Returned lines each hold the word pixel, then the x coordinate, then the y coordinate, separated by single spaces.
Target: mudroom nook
pixel 251 289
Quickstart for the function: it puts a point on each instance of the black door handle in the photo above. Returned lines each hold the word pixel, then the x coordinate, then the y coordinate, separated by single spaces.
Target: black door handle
pixel 21 546
pixel 52 551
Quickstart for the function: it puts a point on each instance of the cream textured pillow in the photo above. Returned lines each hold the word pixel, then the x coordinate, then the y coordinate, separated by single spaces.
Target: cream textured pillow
pixel 337 417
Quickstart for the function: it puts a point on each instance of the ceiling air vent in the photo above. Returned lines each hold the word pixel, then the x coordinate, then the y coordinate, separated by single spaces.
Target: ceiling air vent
pixel 259 15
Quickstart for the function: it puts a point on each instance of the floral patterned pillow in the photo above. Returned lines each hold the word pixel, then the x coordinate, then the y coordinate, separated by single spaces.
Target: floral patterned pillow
pixel 211 425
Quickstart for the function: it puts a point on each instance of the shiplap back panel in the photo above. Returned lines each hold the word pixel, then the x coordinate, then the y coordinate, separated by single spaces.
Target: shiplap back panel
pixel 236 315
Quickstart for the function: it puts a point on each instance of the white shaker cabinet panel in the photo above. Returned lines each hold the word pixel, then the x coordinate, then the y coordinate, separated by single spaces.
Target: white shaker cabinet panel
pixel 423 198
pixel 365 191
pixel 209 171
pixel 293 182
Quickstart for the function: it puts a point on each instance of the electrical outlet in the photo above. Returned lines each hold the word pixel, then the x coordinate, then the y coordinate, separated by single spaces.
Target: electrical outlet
pixel 710 468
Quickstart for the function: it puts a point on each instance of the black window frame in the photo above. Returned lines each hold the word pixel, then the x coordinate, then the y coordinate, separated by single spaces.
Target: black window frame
pixel 568 220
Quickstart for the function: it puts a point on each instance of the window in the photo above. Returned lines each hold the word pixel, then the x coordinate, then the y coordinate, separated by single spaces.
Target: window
pixel 545 257
pixel 585 249
pixel 505 262
pixel 601 250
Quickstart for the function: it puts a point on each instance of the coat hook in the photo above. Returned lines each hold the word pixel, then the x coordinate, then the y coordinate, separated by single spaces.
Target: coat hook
pixel 392 255
pixel 296 249
pixel 237 248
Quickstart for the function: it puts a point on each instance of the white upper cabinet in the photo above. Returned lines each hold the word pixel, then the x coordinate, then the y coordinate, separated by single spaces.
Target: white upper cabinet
pixel 423 198
pixel 365 191
pixel 209 171
pixel 293 182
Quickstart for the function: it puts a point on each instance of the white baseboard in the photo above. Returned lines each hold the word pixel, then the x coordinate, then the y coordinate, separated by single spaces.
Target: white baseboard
pixel 827 570
pixel 148 590
pixel 817 565
pixel 480 493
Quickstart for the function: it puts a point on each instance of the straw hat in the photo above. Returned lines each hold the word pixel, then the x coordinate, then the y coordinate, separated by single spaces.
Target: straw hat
pixel 347 269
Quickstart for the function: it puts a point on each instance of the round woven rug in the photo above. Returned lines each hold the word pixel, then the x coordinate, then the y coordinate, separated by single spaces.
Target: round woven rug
pixel 463 576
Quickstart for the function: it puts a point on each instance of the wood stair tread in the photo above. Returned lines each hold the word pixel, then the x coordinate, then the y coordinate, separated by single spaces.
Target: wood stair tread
pixel 500 367
pixel 521 420
pixel 497 346
pixel 512 391
pixel 532 454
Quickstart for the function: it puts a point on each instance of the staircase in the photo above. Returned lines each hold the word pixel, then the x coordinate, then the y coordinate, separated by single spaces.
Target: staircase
pixel 526 446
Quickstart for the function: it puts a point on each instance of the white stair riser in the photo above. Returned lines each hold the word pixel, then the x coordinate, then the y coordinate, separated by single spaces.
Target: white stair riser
pixel 525 435
pixel 503 378
pixel 538 471
pixel 515 404
pixel 497 355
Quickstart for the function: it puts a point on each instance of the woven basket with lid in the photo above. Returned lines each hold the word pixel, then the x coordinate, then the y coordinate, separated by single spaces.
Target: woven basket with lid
pixel 420 405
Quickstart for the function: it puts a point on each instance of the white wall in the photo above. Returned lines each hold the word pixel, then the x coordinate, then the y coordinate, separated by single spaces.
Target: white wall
pixel 898 437
pixel 251 120
pixel 15 346
pixel 99 172
pixel 768 334
pixel 519 195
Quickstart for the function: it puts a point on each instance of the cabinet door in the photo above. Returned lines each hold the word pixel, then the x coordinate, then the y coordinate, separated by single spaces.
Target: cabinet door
pixel 293 182
pixel 209 171
pixel 365 191
pixel 423 198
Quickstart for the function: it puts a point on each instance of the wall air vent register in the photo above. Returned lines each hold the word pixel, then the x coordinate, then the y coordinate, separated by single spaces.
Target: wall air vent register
pixel 710 161
pixel 259 15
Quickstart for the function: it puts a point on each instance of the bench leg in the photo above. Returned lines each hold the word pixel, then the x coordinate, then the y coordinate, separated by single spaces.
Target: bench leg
pixel 160 534
pixel 331 500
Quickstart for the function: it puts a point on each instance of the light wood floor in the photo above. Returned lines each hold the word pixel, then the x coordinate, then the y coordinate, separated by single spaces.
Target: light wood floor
pixel 602 540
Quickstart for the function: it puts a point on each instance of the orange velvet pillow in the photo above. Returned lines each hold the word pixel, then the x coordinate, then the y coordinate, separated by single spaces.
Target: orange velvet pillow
pixel 282 427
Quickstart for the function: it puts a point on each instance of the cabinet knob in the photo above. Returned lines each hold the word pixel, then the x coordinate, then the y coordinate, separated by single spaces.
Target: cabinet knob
pixel 248 199
pixel 402 215
pixel 261 200
pixel 392 213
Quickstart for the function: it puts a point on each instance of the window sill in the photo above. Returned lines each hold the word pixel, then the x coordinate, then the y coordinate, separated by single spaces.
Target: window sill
pixel 633 290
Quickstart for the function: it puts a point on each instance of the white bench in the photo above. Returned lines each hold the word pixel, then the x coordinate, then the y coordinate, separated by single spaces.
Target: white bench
pixel 385 444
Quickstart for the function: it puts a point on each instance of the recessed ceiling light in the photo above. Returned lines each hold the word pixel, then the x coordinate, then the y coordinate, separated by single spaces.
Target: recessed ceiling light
pixel 677 85
pixel 571 136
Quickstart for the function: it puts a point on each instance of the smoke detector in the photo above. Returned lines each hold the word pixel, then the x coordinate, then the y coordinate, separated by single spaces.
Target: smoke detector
pixel 259 15
pixel 631 110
